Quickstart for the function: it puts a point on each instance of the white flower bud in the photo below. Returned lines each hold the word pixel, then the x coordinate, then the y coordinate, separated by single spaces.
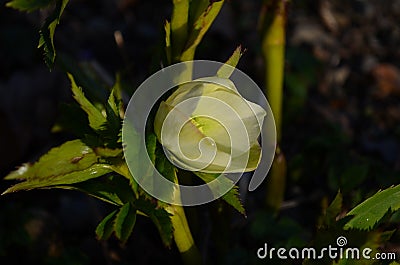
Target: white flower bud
pixel 207 126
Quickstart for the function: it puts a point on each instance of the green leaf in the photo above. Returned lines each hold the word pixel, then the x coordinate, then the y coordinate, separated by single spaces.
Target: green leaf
pixel 115 98
pixel 73 120
pixel 46 40
pixel 111 130
pixel 105 228
pixel 201 26
pixel 29 5
pixel 168 51
pixel 333 210
pixel 231 197
pixel 196 9
pixel 52 181
pixel 96 118
pixel 107 126
pixel 108 152
pixel 335 207
pixel 226 71
pixel 124 222
pixel 112 188
pixel 70 156
pixel 371 211
pixel 113 109
pixel 179 26
pixel 166 169
pixel 162 164
pixel 151 145
pixel 160 217
pixel 93 88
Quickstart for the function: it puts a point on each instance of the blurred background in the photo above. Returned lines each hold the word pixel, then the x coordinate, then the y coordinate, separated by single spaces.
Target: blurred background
pixel 341 121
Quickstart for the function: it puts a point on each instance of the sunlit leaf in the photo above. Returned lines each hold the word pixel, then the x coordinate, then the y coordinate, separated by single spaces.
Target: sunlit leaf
pixel 371 211
pixel 39 182
pixel 168 51
pixel 226 71
pixel 196 9
pixel 201 26
pixel 96 118
pixel 106 125
pixel 179 27
pixel 66 158
pixel 107 152
pixel 29 5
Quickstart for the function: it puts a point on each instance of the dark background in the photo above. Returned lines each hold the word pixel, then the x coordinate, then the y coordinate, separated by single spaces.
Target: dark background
pixel 341 126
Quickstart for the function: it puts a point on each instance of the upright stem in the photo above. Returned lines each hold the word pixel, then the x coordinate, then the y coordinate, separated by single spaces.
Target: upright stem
pixel 273 46
pixel 276 182
pixel 183 47
pixel 183 237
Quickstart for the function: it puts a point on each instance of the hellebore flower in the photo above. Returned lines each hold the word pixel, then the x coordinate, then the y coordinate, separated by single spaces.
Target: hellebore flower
pixel 207 126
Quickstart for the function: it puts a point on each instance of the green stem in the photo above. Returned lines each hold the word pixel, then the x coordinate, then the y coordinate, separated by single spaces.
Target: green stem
pixel 276 182
pixel 273 46
pixel 182 47
pixel 183 237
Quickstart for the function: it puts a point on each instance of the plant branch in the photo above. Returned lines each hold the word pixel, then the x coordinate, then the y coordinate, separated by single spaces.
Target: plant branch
pixel 183 237
pixel 273 47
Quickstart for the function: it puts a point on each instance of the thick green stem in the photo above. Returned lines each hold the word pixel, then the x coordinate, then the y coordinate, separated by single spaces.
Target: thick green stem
pixel 273 46
pixel 276 182
pixel 182 40
pixel 183 237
